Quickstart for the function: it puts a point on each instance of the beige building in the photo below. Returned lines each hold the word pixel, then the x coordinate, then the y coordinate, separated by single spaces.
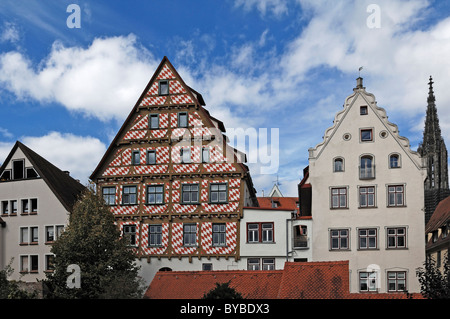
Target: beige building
pixel 367 198
pixel 35 200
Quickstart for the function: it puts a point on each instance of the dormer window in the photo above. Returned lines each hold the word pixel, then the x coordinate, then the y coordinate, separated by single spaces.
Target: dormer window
pixel 18 168
pixel 164 87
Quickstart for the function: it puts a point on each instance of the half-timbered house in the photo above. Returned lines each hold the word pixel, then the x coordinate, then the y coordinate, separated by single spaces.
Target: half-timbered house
pixel 175 186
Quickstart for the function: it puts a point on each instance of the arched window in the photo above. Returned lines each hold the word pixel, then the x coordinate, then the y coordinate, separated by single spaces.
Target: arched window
pixel 338 165
pixel 394 161
pixel 366 167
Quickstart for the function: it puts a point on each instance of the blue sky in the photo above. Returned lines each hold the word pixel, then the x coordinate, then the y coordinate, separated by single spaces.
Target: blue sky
pixel 284 64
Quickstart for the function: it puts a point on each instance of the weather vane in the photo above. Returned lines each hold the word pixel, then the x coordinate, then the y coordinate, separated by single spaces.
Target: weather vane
pixel 359 70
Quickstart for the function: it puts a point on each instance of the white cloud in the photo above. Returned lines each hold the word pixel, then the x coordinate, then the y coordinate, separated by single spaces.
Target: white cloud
pixel 276 7
pixel 10 33
pixel 103 80
pixel 77 154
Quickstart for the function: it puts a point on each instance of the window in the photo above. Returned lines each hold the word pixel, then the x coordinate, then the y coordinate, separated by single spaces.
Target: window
pixel 189 193
pixel 219 234
pixel 300 236
pixel 18 168
pixel 129 232
pixel 207 266
pixel 394 161
pixel 182 119
pixel 363 110
pixel 396 280
pixel 253 264
pixel 34 235
pixel 155 194
pixel 205 155
pixel 367 196
pixel 135 158
pixel 367 167
pixel 185 155
pixel 52 233
pixel 367 281
pixel 31 172
pixel 49 233
pixel 13 205
pixel 252 233
pixel 260 232
pixel 339 197
pixel 367 238
pixel 34 205
pixel 268 264
pixel 189 234
pixel 151 157
pixel 339 239
pixel 129 195
pixel 34 263
pixel 5 207
pixel 153 121
pixel 396 195
pixel 154 235
pixel 109 195
pixel 163 87
pixel 25 206
pixel 338 165
pixel 24 264
pixel 366 135
pixel 49 262
pixel 267 232
pixel 24 239
pixel 218 193
pixel 396 237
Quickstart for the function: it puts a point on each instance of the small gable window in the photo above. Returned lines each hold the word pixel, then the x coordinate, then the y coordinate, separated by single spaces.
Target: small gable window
pixel 182 119
pixel 363 110
pixel 394 161
pixel 366 135
pixel 338 165
pixel 154 121
pixel 164 87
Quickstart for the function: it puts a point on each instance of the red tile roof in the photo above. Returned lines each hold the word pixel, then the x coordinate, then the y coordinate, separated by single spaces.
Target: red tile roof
pixel 283 202
pixel 440 216
pixel 308 280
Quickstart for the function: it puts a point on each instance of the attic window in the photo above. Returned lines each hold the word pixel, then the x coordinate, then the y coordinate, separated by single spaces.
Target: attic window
pixel 31 172
pixel 363 110
pixel 164 87
pixel 18 169
pixel 6 175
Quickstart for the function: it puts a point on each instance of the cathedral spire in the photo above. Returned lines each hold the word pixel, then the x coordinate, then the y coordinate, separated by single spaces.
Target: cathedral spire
pixel 433 149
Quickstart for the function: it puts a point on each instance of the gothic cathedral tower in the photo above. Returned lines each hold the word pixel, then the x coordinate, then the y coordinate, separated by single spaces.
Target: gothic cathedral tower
pixel 433 149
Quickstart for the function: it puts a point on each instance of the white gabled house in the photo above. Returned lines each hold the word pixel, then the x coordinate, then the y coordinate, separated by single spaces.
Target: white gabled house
pixel 367 198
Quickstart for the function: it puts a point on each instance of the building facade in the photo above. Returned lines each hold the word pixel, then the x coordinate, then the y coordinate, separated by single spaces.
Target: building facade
pixel 175 186
pixel 433 149
pixel 36 198
pixel 365 186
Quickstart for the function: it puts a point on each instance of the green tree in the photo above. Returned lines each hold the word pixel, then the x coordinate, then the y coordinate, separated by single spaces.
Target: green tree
pixel 92 242
pixel 222 291
pixel 9 289
pixel 434 283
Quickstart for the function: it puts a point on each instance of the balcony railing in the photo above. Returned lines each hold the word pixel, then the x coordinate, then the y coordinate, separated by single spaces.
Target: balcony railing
pixel 367 172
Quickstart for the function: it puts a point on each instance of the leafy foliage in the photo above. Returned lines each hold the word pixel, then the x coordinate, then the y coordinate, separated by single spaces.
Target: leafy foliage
pixel 92 241
pixel 222 291
pixel 9 289
pixel 434 283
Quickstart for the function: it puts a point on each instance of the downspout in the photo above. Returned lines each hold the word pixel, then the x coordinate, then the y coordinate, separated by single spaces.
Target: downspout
pixel 287 234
